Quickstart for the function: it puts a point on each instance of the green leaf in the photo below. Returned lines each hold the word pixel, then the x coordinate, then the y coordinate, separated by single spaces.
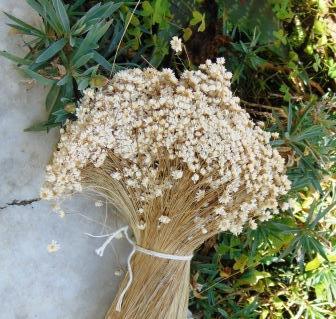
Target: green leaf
pixel 147 9
pixel 313 264
pixel 94 16
pixel 77 4
pixel 102 61
pixel 62 15
pixel 198 17
pixel 15 59
pixel 60 116
pixel 83 83
pixel 83 60
pixel 91 39
pixel 38 77
pixel 24 27
pixel 52 97
pixel 37 7
pixel 51 51
pixel 42 126
pixel 240 263
pixel 187 32
pixel 161 10
pixel 49 14
pixel 65 80
pixel 252 277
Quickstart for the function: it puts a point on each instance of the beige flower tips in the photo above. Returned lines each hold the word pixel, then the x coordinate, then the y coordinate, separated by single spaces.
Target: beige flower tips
pixel 195 124
pixel 176 44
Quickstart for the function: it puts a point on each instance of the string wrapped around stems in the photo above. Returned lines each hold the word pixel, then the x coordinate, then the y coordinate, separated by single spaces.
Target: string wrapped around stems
pixel 100 252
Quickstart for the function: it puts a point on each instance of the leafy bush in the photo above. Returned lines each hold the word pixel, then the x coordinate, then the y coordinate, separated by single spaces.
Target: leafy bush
pixel 285 268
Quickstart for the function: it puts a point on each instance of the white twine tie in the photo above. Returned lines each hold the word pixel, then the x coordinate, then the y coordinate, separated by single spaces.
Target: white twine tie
pixel 135 247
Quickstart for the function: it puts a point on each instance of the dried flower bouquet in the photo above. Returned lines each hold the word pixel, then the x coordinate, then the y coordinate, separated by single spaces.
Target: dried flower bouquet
pixel 181 161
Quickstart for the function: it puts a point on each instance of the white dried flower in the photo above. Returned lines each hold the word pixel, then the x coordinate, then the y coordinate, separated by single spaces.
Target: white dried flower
pixel 164 219
pixel 220 211
pixel 275 135
pixel 195 178
pixel 116 175
pixel 99 203
pixel 141 225
pixel 204 230
pixel 58 210
pixel 200 194
pixel 158 192
pixel 176 44
pixel 177 174
pixel 61 213
pixel 118 273
pixel 53 246
pixel 285 206
pixel 252 224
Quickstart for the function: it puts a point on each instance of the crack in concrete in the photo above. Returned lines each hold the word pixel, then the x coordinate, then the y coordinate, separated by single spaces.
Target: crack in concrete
pixel 23 202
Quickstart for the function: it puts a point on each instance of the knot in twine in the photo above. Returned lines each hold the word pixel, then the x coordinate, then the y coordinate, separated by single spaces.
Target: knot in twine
pixel 118 234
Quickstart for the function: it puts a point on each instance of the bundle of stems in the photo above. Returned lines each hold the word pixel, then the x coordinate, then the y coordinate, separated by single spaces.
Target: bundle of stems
pixel 181 161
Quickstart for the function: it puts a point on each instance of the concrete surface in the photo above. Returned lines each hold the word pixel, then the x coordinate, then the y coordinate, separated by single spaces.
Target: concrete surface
pixel 72 282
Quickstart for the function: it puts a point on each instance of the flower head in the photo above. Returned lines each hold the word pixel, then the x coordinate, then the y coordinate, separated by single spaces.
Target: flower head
pixel 157 135
pixel 53 246
pixel 164 219
pixel 176 44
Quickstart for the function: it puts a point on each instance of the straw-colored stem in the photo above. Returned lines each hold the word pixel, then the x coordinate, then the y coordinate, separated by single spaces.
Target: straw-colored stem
pixel 159 290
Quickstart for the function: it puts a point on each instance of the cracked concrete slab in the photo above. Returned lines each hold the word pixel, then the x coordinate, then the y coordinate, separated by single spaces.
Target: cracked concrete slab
pixel 72 282
pixel 23 202
pixel 23 155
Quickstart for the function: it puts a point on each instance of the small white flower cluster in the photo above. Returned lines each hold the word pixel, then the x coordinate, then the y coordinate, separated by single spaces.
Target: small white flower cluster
pixel 146 117
pixel 176 44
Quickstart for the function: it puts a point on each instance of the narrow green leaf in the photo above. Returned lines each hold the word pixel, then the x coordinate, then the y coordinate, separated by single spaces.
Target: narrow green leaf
pixel 51 51
pixel 38 77
pixel 102 61
pixel 83 84
pixel 51 17
pixel 62 15
pixel 52 97
pixel 77 4
pixel 117 34
pixel 24 25
pixel 90 41
pixel 66 79
pixel 42 126
pixel 83 60
pixel 24 30
pixel 37 7
pixel 60 116
pixel 14 58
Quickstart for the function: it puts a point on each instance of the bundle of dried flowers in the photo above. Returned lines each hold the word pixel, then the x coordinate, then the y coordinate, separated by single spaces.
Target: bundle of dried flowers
pixel 180 160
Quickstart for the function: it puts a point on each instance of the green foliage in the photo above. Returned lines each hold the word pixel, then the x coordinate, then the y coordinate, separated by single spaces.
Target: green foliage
pixel 63 52
pixel 283 269
pixel 286 267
